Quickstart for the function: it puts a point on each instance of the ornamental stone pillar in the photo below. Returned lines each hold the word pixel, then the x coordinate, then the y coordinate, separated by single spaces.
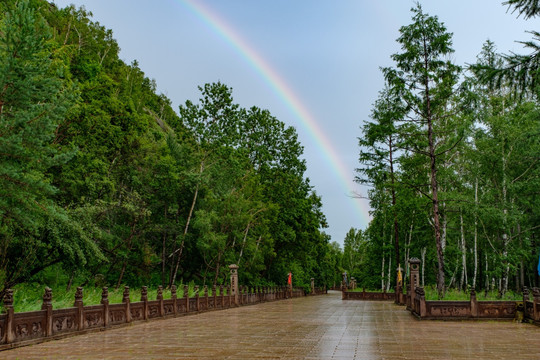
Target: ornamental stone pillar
pixel 414 264
pixel 234 283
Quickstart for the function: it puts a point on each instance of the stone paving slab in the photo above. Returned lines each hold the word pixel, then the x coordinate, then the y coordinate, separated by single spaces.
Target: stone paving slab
pixel 319 327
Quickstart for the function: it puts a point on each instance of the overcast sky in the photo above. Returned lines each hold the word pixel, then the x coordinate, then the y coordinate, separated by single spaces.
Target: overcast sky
pixel 327 54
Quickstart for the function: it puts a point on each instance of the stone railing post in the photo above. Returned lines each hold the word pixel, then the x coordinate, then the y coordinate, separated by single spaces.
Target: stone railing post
pixel 421 306
pixel 47 306
pixel 8 335
pixel 414 281
pixel 80 308
pixel 105 303
pixel 186 297
pixel 536 304
pixel 214 294
pixel 159 298
pixel 127 306
pixel 525 299
pixel 197 300
pixel 173 297
pixel 221 296
pixel 234 282
pixel 241 294
pixel 474 304
pixel 206 296
pixel 144 299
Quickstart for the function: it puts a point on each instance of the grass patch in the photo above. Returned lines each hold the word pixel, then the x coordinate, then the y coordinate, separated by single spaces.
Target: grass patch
pixel 370 290
pixel 456 295
pixel 29 296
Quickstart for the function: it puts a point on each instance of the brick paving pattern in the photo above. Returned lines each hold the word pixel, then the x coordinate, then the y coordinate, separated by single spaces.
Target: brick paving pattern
pixel 319 327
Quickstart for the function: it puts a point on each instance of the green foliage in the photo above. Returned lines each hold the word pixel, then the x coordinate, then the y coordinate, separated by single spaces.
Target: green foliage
pixel 485 157
pixel 453 294
pixel 103 181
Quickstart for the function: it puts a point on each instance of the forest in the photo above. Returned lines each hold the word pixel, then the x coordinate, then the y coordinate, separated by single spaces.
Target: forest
pixel 451 155
pixel 102 182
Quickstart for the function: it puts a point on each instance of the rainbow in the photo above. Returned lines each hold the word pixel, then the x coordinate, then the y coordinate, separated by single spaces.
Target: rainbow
pixel 283 92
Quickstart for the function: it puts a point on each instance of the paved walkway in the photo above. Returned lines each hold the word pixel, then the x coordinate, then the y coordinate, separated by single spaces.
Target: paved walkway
pixel 319 327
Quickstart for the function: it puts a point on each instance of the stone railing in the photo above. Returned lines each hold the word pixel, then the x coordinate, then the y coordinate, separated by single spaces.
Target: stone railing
pixel 472 309
pixel 531 305
pixel 319 291
pixel 366 295
pixel 18 329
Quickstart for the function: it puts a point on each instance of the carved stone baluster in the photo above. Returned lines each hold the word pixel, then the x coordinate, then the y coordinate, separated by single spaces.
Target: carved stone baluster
pixel 221 294
pixel 197 298
pixel 186 297
pixel 126 301
pixel 8 335
pixel 80 308
pixel 536 304
pixel 105 303
pixel 173 297
pixel 144 299
pixel 160 300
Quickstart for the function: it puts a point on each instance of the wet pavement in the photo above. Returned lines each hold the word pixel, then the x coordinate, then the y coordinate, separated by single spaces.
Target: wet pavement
pixel 319 327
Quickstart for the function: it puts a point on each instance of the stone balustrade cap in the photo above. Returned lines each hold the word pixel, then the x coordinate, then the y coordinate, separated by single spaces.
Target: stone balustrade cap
pixel 233 266
pixel 414 261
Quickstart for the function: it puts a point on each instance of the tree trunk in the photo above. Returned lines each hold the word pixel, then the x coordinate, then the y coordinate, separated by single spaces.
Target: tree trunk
pixel 423 253
pixel 433 182
pixel 243 243
pixel 163 249
pixel 121 274
pixel 218 266
pixel 444 228
pixel 181 247
pixel 70 282
pixel 396 229
pixel 389 279
pixel 475 232
pixel 486 272
pixel 464 281
pixel 503 288
pixel 382 274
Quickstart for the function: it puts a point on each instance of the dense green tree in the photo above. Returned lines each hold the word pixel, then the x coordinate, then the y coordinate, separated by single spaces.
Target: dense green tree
pixel 35 231
pixel 426 80
pixel 518 71
pixel 379 146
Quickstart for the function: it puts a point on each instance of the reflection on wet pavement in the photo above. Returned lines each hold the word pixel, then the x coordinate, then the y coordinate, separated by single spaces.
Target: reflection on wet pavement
pixel 319 327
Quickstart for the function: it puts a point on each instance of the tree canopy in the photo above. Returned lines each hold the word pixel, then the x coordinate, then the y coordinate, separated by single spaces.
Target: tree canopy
pixel 103 182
